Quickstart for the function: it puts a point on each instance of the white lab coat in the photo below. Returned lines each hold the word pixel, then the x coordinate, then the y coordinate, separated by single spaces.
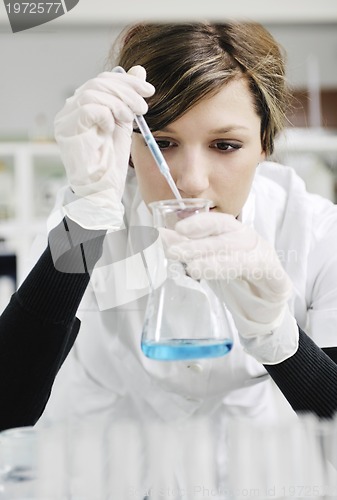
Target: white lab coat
pixel 106 370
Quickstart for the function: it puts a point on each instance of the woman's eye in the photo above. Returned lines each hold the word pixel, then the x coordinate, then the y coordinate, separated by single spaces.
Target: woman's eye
pixel 225 146
pixel 164 143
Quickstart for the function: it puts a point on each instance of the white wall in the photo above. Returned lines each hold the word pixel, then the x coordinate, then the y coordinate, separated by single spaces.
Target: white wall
pixel 301 40
pixel 99 11
pixel 39 69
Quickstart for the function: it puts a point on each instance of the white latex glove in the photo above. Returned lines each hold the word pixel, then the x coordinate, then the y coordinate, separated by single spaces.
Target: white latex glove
pixel 246 272
pixel 93 131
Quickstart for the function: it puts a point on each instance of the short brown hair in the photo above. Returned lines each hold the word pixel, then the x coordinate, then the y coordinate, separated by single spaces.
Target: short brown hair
pixel 187 61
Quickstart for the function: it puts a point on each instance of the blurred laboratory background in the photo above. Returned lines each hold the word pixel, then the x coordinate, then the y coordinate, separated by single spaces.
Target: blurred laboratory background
pixel 41 67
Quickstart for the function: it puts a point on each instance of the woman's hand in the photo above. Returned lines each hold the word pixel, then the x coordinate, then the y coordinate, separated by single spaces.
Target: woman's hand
pixel 93 131
pixel 246 272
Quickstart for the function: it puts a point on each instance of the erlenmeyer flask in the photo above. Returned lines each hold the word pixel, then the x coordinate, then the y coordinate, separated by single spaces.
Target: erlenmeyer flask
pixel 184 318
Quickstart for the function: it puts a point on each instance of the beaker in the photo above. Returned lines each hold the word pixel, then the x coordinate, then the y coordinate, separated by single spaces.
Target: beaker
pixel 18 463
pixel 184 318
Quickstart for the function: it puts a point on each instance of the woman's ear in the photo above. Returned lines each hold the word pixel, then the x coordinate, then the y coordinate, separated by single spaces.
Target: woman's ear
pixel 263 153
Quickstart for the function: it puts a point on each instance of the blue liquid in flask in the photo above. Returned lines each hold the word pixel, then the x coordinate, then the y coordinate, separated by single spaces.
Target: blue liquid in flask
pixel 180 349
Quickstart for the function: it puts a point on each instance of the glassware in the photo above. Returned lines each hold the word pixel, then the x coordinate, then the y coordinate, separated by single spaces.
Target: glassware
pixel 18 463
pixel 184 318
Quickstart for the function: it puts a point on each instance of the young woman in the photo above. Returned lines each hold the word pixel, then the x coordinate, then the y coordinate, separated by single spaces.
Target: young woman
pixel 217 97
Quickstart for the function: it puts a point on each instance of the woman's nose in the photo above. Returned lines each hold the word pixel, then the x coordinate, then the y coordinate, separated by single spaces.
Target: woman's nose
pixel 192 177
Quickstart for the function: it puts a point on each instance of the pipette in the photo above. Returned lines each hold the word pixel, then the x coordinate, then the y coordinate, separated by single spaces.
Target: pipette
pixel 153 147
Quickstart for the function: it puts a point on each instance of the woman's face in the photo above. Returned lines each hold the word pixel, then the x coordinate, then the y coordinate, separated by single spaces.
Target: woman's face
pixel 212 151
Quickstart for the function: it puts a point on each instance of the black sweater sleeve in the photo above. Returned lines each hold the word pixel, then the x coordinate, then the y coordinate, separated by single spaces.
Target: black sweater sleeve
pixel 308 379
pixel 39 327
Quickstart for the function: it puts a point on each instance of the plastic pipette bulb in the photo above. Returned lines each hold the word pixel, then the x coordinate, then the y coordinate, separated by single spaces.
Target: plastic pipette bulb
pixel 153 146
